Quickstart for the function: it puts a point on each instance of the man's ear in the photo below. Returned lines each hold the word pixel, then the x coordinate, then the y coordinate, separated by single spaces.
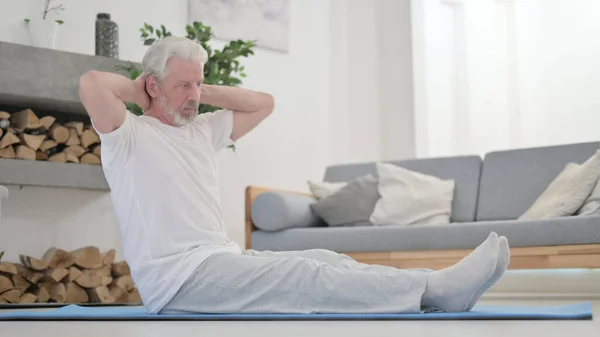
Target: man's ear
pixel 152 86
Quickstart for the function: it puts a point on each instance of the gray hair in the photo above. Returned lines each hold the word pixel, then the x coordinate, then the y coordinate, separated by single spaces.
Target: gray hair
pixel 155 60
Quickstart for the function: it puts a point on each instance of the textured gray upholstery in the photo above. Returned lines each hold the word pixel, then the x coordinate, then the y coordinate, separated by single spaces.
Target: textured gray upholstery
pixel 464 170
pixel 556 231
pixel 273 211
pixel 512 180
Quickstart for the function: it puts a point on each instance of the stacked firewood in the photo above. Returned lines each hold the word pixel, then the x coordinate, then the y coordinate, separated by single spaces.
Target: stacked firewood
pixel 25 136
pixel 81 276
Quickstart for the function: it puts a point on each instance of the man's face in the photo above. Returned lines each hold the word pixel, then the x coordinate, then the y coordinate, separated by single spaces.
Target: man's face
pixel 180 90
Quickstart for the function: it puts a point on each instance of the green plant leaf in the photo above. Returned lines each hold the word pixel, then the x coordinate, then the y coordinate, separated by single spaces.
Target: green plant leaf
pixel 60 22
pixel 148 42
pixel 27 20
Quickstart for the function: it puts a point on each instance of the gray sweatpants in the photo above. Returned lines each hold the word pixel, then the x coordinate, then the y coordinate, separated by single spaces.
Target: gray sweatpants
pixel 310 281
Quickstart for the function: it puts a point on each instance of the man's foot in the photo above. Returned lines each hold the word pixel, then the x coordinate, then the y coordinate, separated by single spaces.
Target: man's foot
pixel 453 289
pixel 501 266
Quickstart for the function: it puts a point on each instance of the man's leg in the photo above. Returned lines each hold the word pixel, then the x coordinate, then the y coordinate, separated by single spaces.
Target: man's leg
pixel 334 259
pixel 230 283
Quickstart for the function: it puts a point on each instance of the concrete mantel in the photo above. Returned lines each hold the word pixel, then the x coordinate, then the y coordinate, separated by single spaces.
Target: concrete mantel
pixel 47 79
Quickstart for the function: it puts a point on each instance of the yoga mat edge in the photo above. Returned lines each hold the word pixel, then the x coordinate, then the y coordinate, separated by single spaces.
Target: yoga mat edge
pixel 578 311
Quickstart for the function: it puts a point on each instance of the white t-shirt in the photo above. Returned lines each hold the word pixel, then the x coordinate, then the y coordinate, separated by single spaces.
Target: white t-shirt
pixel 165 192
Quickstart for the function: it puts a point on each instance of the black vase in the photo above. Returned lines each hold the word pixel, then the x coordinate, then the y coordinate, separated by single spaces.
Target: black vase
pixel 107 36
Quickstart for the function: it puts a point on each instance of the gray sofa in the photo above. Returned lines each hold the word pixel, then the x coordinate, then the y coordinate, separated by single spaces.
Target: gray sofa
pixel 489 195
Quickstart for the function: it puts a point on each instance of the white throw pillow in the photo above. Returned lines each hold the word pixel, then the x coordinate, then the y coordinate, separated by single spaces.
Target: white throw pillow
pixel 591 206
pixel 323 189
pixel 567 192
pixel 411 198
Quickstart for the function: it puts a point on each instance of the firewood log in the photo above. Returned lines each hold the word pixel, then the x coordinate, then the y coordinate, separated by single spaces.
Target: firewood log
pixel 134 296
pixel 33 263
pixel 71 157
pixel 90 158
pixel 73 138
pixel 32 142
pixel 77 126
pixel 59 133
pixel 88 138
pixel 100 294
pixel 58 258
pixel 74 273
pixel 9 139
pixel 55 274
pixel 89 279
pixel 97 150
pixel 25 153
pixel 25 119
pixel 47 145
pixel 76 294
pixel 88 257
pixel 41 156
pixel 108 258
pixel 77 150
pixel 120 294
pixel 8 153
pixel 28 298
pixel 58 292
pixel 125 282
pixel 60 157
pixel 21 283
pixel 31 276
pixel 120 269
pixel 8 269
pixel 12 296
pixel 5 284
pixel 47 121
pixel 42 294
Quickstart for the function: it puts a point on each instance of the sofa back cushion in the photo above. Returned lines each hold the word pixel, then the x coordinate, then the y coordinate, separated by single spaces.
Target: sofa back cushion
pixel 512 180
pixel 465 170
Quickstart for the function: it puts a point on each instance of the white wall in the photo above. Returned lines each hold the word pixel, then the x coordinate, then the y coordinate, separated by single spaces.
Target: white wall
pixel 395 79
pixel 372 115
pixel 494 74
pixel 290 147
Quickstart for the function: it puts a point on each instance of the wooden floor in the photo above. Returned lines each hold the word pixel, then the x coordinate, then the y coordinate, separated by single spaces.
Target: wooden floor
pixel 292 329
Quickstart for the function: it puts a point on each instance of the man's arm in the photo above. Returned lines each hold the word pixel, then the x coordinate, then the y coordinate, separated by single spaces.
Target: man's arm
pixel 103 94
pixel 249 107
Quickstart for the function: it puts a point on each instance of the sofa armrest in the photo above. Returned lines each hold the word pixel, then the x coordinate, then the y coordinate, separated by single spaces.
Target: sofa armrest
pixel 251 193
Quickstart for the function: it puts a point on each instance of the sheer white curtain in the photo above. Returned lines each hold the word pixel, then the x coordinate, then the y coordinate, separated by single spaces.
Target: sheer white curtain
pixel 499 74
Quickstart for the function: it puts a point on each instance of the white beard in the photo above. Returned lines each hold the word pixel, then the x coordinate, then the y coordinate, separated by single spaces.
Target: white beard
pixel 179 119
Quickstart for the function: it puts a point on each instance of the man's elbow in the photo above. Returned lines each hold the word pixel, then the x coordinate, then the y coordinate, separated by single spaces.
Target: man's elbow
pixel 87 81
pixel 269 104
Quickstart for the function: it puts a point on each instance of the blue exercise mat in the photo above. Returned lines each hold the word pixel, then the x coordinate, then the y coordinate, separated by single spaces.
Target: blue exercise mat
pixel 579 311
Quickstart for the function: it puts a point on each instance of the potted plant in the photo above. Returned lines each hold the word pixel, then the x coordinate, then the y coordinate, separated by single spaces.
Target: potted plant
pixel 42 28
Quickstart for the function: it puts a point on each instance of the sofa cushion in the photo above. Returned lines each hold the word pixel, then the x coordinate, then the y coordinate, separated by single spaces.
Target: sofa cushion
pixel 464 170
pixel 323 189
pixel 274 211
pixel 556 231
pixel 409 197
pixel 512 180
pixel 353 203
pixel 567 192
pixel 591 205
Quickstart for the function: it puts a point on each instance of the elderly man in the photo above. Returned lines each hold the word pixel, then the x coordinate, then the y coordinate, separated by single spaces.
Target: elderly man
pixel 161 168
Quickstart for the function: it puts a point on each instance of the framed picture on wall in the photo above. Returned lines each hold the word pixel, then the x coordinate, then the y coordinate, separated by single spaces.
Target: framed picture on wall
pixel 266 21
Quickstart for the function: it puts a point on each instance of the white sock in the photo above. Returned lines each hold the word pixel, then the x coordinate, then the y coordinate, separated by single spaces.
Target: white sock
pixel 453 288
pixel 501 266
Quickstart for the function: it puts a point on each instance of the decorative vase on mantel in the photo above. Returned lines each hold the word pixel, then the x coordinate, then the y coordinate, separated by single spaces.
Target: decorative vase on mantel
pixel 107 36
pixel 43 32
